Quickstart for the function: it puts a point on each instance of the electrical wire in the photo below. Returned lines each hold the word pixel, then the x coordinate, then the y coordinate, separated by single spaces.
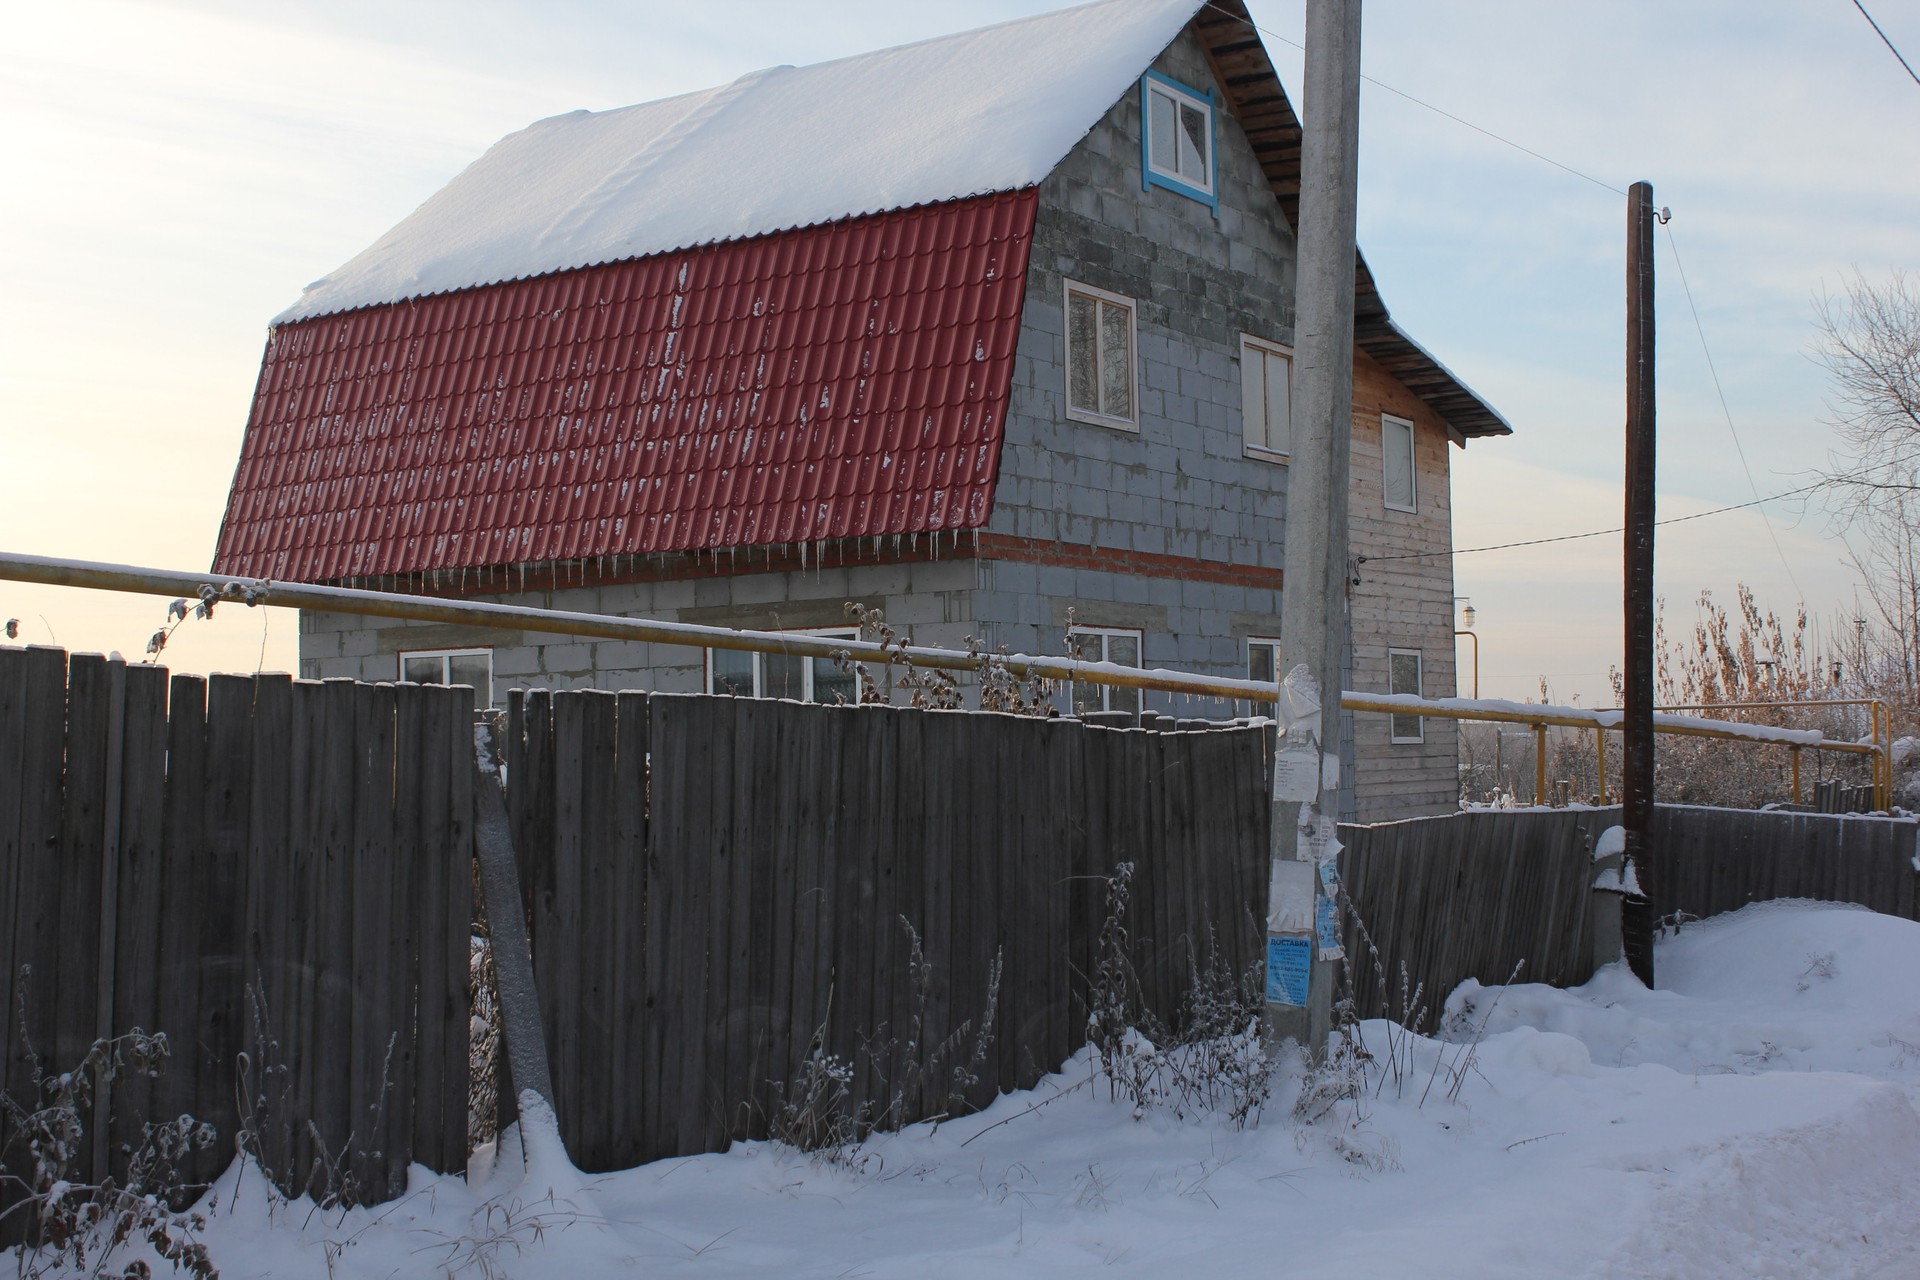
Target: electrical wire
pixel 1597 533
pixel 1883 40
pixel 1401 93
pixel 1674 246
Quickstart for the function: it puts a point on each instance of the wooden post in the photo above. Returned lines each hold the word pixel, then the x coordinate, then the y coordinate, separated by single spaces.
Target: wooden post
pixel 1600 758
pixel 1540 764
pixel 1636 781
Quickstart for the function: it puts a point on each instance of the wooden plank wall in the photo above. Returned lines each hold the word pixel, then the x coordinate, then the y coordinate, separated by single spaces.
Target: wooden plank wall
pixel 692 954
pixel 266 870
pixel 1472 894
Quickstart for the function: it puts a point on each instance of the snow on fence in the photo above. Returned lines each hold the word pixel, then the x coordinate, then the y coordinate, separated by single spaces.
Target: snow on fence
pixel 1471 895
pixel 694 954
pixel 254 866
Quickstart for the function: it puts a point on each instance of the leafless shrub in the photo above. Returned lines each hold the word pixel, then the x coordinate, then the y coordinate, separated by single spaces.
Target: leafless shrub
pixel 78 1227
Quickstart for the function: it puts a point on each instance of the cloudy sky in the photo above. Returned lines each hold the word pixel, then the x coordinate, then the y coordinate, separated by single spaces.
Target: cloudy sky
pixel 177 171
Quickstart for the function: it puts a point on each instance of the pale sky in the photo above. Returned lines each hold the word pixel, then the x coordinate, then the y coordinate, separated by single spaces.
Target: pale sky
pixel 177 171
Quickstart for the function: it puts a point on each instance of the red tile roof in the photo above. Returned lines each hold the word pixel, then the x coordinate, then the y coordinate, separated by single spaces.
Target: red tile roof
pixel 839 381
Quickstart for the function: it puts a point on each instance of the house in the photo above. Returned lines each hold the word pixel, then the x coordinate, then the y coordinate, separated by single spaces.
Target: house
pixel 990 331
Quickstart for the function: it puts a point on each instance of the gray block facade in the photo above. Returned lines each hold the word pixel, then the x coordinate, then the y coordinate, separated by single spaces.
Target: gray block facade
pixel 1172 529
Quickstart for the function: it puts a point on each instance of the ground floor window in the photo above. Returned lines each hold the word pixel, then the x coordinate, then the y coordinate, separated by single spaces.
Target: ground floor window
pixel 783 675
pixel 1104 644
pixel 450 666
pixel 1263 659
pixel 1403 670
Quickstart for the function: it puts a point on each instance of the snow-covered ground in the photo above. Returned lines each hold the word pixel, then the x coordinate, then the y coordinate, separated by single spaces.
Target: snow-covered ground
pixel 1755 1117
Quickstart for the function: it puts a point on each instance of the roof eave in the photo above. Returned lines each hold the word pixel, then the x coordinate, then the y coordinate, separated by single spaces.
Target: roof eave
pixel 1259 101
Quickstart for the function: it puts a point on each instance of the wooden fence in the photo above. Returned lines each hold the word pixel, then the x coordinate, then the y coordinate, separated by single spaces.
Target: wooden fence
pixel 251 865
pixel 276 873
pixel 1471 895
pixel 692 954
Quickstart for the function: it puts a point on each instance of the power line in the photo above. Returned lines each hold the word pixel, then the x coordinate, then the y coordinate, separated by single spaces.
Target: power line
pixel 1597 533
pixel 1738 448
pixel 1402 93
pixel 1883 40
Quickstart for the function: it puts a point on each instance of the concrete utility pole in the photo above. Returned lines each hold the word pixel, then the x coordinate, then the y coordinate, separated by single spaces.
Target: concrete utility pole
pixel 1636 756
pixel 1302 923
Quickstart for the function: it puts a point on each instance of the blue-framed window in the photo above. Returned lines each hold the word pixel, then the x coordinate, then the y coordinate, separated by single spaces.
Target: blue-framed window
pixel 1177 139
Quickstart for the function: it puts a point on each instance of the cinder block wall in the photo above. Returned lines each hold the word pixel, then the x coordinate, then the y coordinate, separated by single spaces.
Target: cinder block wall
pixel 1182 485
pixel 932 601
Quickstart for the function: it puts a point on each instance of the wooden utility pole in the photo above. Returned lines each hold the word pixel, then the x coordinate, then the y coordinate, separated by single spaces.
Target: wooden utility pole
pixel 1302 922
pixel 1636 765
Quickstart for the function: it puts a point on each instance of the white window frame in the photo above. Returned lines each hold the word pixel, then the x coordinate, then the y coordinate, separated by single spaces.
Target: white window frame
pixel 1100 298
pixel 1269 643
pixel 1397 723
pixel 1413 471
pixel 1107 692
pixel 1254 353
pixel 806 671
pixel 1154 173
pixel 446 667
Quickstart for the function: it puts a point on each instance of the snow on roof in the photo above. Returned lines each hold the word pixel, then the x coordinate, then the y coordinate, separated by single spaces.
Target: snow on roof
pixel 982 111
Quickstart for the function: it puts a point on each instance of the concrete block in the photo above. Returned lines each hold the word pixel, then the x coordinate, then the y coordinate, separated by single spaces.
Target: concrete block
pixel 519 661
pixel 762 588
pixel 575 600
pixel 622 655
pixel 566 659
pixel 338 668
pixel 710 592
pixel 357 644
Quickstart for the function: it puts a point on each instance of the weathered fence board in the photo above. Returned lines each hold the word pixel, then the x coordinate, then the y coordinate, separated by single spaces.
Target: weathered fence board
pixel 1475 894
pixel 274 875
pixel 764 903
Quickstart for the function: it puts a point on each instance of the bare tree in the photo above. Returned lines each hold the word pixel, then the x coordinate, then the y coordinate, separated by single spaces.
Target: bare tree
pixel 1870 346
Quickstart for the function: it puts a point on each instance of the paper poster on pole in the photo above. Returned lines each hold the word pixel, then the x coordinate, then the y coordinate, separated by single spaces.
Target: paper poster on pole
pixel 1326 918
pixel 1296 774
pixel 1289 962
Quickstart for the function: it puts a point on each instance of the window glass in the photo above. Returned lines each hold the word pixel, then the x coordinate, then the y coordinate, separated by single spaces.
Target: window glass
pixel 1161 138
pixel 1116 361
pixel 1193 144
pixel 1178 139
pixel 1083 361
pixel 423 669
pixel 732 672
pixel 1120 647
pixel 1266 405
pixel 1396 462
pixel 831 685
pixel 1403 673
pixel 783 675
pixel 1263 660
pixel 1099 356
pixel 474 669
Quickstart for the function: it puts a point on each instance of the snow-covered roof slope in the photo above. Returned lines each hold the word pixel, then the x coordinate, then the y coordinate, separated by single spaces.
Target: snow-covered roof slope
pixel 983 111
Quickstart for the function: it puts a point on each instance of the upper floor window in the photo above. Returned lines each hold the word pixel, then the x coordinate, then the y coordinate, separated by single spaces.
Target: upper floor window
pixel 1117 645
pixel 1100 357
pixel 1266 396
pixel 1403 675
pixel 1177 139
pixel 798 677
pixel 1396 462
pixel 450 666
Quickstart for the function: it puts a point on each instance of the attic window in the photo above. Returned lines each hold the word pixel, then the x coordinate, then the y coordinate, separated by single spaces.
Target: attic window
pixel 1176 140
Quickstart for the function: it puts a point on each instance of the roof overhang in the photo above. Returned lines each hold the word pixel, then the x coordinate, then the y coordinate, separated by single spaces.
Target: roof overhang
pixel 1259 101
